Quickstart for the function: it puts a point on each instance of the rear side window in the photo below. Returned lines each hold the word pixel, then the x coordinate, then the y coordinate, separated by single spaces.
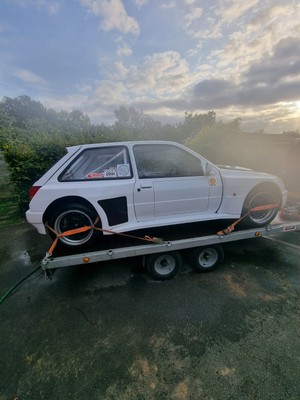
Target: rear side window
pixel 100 163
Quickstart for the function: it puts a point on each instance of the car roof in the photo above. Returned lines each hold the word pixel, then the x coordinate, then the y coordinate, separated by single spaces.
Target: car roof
pixel 125 143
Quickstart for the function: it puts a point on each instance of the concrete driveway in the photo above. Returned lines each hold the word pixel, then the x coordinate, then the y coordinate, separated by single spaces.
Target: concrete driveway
pixel 107 331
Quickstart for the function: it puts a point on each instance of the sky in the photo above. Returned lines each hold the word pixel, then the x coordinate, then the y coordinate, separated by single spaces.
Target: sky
pixel 238 58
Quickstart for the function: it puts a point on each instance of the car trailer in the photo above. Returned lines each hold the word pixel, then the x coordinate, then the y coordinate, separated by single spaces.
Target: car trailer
pixel 163 260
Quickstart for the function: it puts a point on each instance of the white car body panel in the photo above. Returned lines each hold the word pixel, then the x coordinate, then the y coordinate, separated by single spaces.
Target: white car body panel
pixel 218 194
pixel 237 184
pixel 172 196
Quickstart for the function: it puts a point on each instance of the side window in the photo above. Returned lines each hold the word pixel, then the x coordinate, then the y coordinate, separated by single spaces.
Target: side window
pixel 99 163
pixel 162 161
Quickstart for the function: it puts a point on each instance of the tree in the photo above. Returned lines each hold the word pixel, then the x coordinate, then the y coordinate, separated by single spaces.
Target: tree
pixel 194 122
pixel 135 122
pixel 30 114
pixel 291 134
pixel 22 109
pixel 6 127
pixel 222 143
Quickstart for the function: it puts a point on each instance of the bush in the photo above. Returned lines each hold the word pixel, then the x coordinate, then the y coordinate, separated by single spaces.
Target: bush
pixel 26 163
pixel 30 153
pixel 33 138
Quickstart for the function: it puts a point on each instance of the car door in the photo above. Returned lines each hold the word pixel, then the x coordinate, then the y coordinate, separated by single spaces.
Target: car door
pixel 171 182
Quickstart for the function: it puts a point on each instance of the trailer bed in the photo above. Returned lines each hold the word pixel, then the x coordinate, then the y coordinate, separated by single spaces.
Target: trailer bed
pixel 118 249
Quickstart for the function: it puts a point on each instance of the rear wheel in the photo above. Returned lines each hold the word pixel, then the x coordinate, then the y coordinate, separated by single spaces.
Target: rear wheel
pixel 261 197
pixel 73 216
pixel 206 259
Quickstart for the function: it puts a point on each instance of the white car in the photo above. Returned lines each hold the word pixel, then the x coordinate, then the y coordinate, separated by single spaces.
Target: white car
pixel 145 184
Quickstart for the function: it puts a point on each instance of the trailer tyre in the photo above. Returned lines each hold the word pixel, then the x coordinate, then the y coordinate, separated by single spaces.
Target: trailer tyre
pixel 163 266
pixel 206 259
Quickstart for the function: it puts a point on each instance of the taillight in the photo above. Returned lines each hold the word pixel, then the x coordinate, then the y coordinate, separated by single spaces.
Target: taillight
pixel 33 191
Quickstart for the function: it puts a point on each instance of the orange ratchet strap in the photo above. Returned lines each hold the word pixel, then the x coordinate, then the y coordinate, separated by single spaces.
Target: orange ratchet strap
pixel 87 228
pixel 231 227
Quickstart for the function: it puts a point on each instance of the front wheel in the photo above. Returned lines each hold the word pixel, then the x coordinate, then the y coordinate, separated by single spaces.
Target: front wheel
pixel 71 217
pixel 163 266
pixel 261 197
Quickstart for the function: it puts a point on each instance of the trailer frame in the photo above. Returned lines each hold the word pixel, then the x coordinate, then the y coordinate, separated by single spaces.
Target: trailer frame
pixel 50 263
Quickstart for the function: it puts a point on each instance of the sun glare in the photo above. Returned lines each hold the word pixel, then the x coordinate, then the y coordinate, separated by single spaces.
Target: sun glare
pixel 292 106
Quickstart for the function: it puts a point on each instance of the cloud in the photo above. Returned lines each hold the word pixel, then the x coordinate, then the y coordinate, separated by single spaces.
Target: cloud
pixel 119 72
pixel 124 50
pixel 213 32
pixel 67 102
pixel 237 58
pixel 251 39
pixel 109 93
pixel 166 6
pixel 268 15
pixel 276 78
pixel 52 7
pixel 113 16
pixel 283 64
pixel 84 88
pixel 156 85
pixel 217 94
pixel 29 77
pixel 190 2
pixel 216 18
pixel 194 15
pixel 232 10
pixel 166 74
pixel 160 73
pixel 107 97
pixel 162 83
pixel 99 105
pixel 140 3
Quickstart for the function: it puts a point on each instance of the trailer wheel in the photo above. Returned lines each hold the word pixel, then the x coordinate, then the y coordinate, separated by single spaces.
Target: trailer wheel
pixel 206 259
pixel 163 266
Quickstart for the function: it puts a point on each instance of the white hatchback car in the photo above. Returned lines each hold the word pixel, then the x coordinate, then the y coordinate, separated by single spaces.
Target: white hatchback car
pixel 143 184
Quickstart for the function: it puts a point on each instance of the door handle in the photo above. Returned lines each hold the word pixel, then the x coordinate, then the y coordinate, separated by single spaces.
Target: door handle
pixel 145 186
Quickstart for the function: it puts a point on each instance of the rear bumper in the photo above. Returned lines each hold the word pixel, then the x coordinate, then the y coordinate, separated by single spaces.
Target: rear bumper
pixel 35 219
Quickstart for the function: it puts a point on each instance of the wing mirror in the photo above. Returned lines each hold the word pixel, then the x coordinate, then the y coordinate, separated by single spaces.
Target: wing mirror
pixel 208 169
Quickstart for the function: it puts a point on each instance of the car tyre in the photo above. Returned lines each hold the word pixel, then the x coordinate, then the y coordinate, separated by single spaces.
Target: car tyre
pixel 258 197
pixel 70 217
pixel 206 259
pixel 163 266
